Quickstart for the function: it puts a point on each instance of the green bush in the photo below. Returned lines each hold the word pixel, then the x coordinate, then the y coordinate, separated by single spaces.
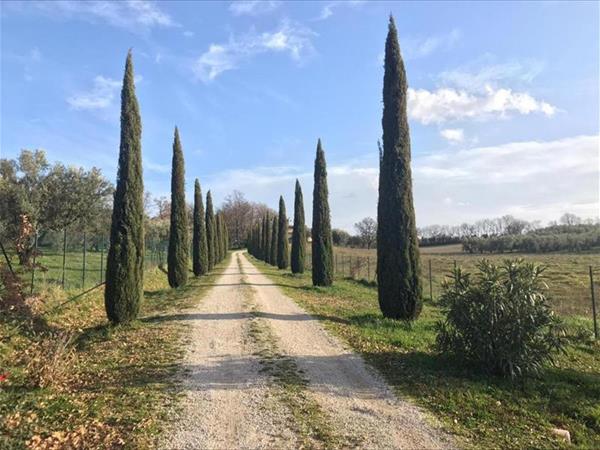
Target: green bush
pixel 500 319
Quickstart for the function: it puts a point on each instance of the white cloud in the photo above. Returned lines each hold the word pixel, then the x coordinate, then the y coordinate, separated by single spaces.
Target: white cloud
pixel 189 34
pixel 288 38
pixel 414 48
pixel 533 180
pixel 253 7
pixel 134 15
pixel 453 135
pixel 448 104
pixel 329 7
pixel 99 97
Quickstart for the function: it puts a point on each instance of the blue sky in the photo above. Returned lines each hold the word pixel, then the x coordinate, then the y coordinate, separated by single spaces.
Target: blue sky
pixel 503 99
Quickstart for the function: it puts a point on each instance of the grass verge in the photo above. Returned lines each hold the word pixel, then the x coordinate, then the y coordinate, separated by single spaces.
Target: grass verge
pixel 484 412
pixel 75 381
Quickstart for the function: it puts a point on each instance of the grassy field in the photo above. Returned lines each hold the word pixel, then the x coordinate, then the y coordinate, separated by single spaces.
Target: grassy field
pixel 74 381
pixel 567 273
pixel 482 411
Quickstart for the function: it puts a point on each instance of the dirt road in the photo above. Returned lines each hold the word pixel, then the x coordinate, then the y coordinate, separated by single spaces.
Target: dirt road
pixel 262 373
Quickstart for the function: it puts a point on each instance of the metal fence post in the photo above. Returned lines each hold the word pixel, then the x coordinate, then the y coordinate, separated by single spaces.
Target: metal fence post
pixel 593 303
pixel 33 266
pixel 83 272
pixel 430 282
pixel 64 261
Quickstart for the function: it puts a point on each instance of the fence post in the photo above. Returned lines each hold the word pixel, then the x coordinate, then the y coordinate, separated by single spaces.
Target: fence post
pixel 102 259
pixel 593 303
pixel 83 272
pixel 64 261
pixel 368 268
pixel 350 266
pixel 33 266
pixel 430 282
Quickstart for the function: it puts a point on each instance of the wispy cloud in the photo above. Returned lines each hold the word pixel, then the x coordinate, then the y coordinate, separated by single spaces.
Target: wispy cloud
pixel 420 47
pixel 290 38
pixel 253 7
pixel 100 96
pixel 133 15
pixel 482 73
pixel 329 7
pixel 448 104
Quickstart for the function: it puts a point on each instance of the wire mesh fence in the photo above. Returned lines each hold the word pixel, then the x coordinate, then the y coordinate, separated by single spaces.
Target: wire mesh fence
pixel 76 261
pixel 571 278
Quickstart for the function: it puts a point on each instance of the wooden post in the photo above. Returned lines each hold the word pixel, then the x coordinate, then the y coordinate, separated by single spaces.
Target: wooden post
pixel 101 260
pixel 368 268
pixel 33 266
pixel 593 303
pixel 64 261
pixel 83 272
pixel 430 282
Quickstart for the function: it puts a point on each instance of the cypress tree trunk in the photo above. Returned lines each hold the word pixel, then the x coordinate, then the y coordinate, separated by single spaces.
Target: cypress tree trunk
pixel 125 262
pixel 399 287
pixel 177 259
pixel 298 233
pixel 322 250
pixel 199 245
pixel 274 240
pixel 267 237
pixel 210 231
pixel 283 251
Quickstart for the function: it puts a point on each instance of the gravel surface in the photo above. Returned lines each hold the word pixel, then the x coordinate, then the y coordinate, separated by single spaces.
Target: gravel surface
pixel 229 402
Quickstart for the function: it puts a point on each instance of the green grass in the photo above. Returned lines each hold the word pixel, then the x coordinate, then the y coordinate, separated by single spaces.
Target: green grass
pixel 482 411
pixel 569 272
pixel 112 388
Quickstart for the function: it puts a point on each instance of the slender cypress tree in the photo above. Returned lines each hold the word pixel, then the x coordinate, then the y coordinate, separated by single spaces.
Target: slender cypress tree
pixel 222 236
pixel 283 251
pixel 210 231
pixel 298 233
pixel 274 240
pixel 125 263
pixel 199 245
pixel 322 250
pixel 268 232
pixel 177 258
pixel 399 286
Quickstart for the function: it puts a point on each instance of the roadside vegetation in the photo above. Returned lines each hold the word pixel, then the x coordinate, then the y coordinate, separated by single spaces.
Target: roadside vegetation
pixel 70 379
pixel 484 411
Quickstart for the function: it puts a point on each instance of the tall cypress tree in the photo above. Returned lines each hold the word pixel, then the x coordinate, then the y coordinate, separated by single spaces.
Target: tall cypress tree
pixel 283 251
pixel 125 263
pixel 298 233
pixel 177 258
pixel 268 232
pixel 322 250
pixel 210 231
pixel 199 245
pixel 274 240
pixel 399 286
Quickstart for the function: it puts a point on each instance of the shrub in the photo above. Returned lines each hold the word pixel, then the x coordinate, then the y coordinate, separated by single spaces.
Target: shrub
pixel 500 319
